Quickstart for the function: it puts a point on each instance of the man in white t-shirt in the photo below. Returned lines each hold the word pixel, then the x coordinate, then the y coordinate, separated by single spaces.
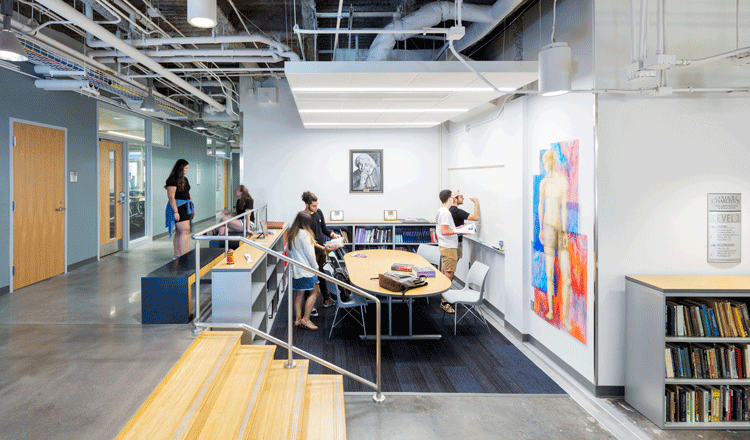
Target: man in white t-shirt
pixel 447 240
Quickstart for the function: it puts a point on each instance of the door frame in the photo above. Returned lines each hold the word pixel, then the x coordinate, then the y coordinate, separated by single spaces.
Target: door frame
pixel 11 189
pixel 126 243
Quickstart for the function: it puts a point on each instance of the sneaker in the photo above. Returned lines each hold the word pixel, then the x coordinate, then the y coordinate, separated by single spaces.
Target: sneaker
pixel 314 312
pixel 447 307
pixel 328 303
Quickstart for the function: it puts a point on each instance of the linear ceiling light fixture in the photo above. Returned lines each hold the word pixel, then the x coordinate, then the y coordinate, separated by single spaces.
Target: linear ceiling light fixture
pixel 202 13
pixel 387 110
pixel 350 124
pixel 130 136
pixel 555 65
pixel 10 48
pixel 397 89
pixel 149 103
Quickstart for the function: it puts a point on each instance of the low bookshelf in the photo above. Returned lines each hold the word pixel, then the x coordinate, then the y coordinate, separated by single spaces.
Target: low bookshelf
pixel 398 234
pixel 686 350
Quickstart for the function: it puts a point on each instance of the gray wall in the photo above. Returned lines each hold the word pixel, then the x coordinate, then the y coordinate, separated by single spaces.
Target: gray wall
pixel 190 146
pixel 21 100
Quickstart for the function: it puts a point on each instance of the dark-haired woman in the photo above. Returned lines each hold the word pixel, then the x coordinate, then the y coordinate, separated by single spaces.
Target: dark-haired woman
pixel 301 248
pixel 180 209
pixel 244 204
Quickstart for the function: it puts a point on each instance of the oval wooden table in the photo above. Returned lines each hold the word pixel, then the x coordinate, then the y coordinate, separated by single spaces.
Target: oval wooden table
pixel 364 271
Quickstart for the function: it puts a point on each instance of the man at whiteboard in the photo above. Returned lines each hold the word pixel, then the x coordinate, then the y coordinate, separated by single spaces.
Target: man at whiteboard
pixel 553 221
pixel 460 216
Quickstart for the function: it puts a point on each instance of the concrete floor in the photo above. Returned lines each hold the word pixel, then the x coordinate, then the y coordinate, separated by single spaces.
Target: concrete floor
pixel 75 362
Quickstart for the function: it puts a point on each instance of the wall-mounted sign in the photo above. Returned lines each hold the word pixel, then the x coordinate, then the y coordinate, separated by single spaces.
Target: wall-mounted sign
pixel 724 228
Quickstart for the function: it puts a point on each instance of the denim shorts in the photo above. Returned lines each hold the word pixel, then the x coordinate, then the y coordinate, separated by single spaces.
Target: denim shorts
pixel 304 283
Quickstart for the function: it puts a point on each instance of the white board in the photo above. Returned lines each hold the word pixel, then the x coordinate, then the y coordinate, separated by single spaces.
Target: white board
pixel 484 182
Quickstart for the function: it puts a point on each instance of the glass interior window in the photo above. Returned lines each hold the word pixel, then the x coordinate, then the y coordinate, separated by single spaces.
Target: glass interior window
pixel 112 195
pixel 137 190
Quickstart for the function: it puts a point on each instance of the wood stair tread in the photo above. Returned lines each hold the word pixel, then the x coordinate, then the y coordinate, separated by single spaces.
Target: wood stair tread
pixel 325 416
pixel 177 401
pixel 279 414
pixel 227 411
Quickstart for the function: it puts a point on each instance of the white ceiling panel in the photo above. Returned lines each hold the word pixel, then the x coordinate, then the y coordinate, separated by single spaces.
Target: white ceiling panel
pixel 398 94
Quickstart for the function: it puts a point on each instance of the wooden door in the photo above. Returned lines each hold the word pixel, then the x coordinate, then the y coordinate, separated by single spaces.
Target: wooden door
pixel 39 195
pixel 111 197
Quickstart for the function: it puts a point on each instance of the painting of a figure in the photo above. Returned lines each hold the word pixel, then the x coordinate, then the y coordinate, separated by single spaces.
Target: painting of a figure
pixel 559 255
pixel 366 171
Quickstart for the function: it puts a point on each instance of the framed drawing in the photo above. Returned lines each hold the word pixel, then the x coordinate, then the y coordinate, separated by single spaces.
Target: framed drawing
pixel 337 215
pixel 365 171
pixel 390 215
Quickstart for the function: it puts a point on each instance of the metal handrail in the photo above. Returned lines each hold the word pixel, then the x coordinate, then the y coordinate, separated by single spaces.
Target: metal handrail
pixel 378 397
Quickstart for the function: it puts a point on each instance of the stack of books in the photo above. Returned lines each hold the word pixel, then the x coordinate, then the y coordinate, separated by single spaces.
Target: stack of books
pixel 707 361
pixel 702 317
pixel 706 403
pixel 428 272
pixel 402 267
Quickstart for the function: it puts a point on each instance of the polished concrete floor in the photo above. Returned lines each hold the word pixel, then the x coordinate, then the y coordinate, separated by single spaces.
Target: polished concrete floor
pixel 75 363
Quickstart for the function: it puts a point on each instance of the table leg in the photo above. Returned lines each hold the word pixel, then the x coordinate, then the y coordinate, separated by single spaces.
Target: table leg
pixel 410 315
pixel 390 316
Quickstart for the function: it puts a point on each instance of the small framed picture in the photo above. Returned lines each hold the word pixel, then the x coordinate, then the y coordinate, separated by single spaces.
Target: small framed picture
pixel 365 171
pixel 337 215
pixel 390 215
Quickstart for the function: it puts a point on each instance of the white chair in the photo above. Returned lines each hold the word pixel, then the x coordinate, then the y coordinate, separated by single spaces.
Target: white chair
pixel 348 307
pixel 430 253
pixel 471 296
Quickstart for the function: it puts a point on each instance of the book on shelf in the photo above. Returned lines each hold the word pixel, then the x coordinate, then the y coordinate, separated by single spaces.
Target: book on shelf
pixel 402 267
pixel 706 317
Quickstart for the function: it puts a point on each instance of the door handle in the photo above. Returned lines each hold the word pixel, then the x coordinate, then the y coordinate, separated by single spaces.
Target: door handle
pixel 123 197
pixel 60 209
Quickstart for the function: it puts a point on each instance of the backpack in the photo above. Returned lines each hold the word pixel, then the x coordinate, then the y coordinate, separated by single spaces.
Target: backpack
pixel 341 274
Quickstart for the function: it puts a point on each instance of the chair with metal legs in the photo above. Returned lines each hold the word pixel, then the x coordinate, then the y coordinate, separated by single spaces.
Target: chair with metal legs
pixel 348 307
pixel 431 254
pixel 471 296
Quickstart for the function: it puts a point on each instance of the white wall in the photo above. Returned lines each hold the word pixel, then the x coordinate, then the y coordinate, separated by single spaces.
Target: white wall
pixel 282 159
pixel 660 156
pixel 525 127
pixel 658 160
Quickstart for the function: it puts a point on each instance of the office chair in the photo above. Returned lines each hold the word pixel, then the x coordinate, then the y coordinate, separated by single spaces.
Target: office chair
pixel 471 296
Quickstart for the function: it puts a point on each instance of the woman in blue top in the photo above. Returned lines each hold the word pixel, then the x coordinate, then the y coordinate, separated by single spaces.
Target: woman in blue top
pixel 301 248
pixel 181 204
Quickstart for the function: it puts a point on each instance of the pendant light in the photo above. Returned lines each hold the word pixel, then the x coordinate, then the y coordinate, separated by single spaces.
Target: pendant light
pixel 10 48
pixel 202 13
pixel 555 64
pixel 199 124
pixel 149 103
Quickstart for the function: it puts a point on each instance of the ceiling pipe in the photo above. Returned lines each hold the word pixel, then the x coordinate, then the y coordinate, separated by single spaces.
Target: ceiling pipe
pixel 81 20
pixel 190 52
pixel 60 84
pixel 232 39
pixel 196 59
pixel 338 26
pixel 644 29
pixel 479 29
pixel 428 15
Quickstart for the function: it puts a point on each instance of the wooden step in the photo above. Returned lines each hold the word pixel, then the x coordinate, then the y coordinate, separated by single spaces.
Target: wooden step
pixel 175 404
pixel 279 414
pixel 227 412
pixel 325 417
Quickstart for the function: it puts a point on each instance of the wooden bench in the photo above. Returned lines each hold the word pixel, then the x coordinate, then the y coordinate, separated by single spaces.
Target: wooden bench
pixel 166 293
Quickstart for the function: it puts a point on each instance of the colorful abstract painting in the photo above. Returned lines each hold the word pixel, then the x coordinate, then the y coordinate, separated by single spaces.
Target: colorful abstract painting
pixel 571 285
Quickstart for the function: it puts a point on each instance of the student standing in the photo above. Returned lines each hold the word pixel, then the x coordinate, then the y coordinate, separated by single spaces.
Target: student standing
pixel 180 209
pixel 460 216
pixel 447 241
pixel 301 248
pixel 321 232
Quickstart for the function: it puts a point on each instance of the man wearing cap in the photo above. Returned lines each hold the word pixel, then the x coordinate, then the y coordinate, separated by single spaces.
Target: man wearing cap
pixel 447 240
pixel 460 216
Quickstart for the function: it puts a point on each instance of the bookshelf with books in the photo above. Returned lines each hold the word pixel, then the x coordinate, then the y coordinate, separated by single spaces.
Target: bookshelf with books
pixel 399 235
pixel 688 350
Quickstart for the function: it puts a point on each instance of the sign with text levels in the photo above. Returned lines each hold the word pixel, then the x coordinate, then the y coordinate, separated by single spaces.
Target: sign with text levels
pixel 724 228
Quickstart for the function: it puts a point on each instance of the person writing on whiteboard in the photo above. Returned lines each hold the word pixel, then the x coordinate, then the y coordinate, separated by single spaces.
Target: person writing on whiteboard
pixel 447 241
pixel 180 209
pixel 460 216
pixel 320 232
pixel 553 218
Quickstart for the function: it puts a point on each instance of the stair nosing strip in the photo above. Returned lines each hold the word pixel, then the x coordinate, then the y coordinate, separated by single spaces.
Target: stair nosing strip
pixel 338 410
pixel 204 389
pixel 254 396
pixel 298 404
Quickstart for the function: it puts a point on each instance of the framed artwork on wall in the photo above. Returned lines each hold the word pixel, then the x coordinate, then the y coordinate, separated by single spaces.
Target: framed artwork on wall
pixel 390 215
pixel 337 215
pixel 365 171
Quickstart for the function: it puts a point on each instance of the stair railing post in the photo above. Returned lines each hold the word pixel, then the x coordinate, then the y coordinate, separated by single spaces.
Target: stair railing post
pixel 378 397
pixel 290 328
